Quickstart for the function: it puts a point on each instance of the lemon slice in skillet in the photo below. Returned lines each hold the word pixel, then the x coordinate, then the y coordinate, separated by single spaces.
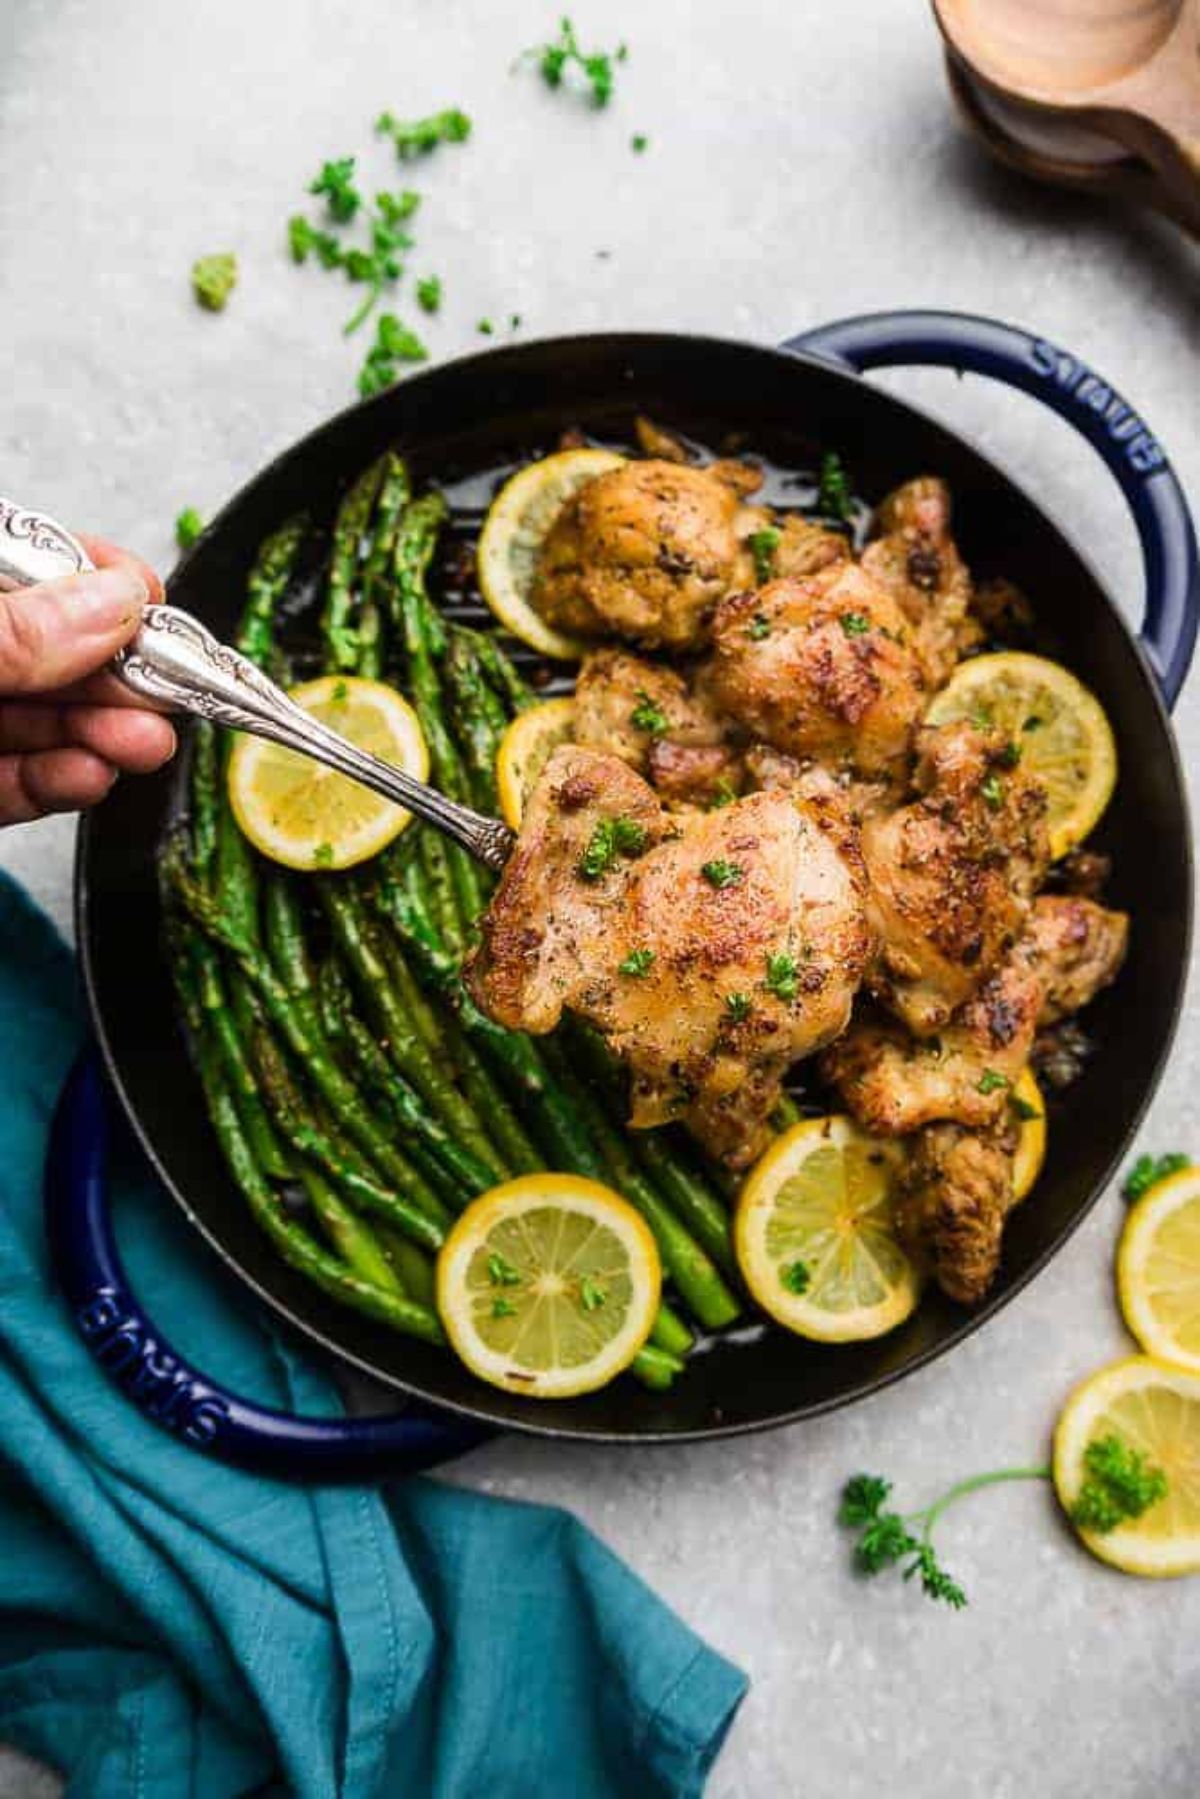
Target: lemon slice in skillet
pixel 1135 1408
pixel 524 751
pixel 1064 738
pixel 517 522
pixel 304 815
pixel 1026 1097
pixel 548 1285
pixel 815 1234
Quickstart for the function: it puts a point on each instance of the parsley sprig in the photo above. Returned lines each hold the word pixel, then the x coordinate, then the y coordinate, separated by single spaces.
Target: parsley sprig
pixel 1148 1170
pixel 648 715
pixel 417 137
pixel 1121 1483
pixel 612 837
pixel 395 343
pixel 564 62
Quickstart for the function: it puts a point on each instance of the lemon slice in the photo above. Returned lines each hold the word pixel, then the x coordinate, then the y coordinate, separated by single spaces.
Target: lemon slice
pixel 815 1237
pixel 1158 1270
pixel 517 522
pixel 298 812
pixel 524 751
pixel 548 1285
pixel 1155 1410
pixel 1031 1142
pixel 1065 740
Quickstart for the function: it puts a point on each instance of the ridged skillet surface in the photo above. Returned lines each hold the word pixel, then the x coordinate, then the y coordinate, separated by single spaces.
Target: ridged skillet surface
pixel 495 409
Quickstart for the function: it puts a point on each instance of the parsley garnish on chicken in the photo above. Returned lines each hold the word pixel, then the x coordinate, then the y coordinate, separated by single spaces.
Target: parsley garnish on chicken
pixel 611 838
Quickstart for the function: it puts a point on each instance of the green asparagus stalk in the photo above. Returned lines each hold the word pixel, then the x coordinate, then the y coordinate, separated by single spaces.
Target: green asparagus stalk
pixel 265 587
pixel 337 618
pixel 239 1075
pixel 205 799
pixel 353 1240
pixel 477 716
pixel 502 673
pixel 412 1266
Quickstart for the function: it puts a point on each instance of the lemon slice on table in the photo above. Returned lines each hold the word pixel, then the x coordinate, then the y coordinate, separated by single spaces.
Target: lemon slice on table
pixel 1065 739
pixel 524 751
pixel 1154 1411
pixel 300 813
pixel 1158 1270
pixel 513 531
pixel 548 1285
pixel 815 1234
pixel 1026 1096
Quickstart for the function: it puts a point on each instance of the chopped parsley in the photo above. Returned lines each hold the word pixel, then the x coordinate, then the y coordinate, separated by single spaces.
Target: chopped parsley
pixel 1022 1108
pixel 341 691
pixel 501 1272
pixel 1033 723
pixel 991 789
pixel 1120 1484
pixel 485 328
pixel 855 624
pixel 591 1294
pixel 394 344
pixel 214 279
pixel 834 498
pixel 336 183
pixel 720 873
pixel 503 1308
pixel 723 794
pixel 417 137
pixel 758 628
pixel 429 293
pixel 738 1006
pixel 563 60
pixel 796 1278
pixel 762 546
pixel 188 527
pixel 1010 755
pixel 1147 1171
pixel 304 239
pixel 991 1081
pixel 648 716
pixel 637 963
pixel 612 837
pixel 323 856
pixel 638 142
pixel 781 977
pixel 375 264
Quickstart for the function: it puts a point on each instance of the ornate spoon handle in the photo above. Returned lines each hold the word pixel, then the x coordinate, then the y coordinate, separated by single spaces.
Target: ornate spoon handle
pixel 179 666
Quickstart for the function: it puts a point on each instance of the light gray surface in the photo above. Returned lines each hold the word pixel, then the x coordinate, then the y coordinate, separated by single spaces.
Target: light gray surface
pixel 804 163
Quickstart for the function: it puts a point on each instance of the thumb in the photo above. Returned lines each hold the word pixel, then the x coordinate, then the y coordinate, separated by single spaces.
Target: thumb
pixel 60 631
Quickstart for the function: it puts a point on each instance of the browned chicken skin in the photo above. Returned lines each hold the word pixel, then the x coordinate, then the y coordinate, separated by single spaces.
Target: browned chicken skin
pixel 804 548
pixel 649 716
pixel 644 552
pixel 955 1193
pixel 1078 946
pixel 821 667
pixel 952 874
pixel 916 559
pixel 705 909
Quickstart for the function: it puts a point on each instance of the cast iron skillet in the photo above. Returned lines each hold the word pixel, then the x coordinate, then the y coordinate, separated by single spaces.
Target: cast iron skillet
pixel 475 413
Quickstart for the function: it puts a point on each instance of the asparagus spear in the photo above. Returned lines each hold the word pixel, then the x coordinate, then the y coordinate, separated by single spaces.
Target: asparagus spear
pixel 393 497
pixel 477 716
pixel 265 587
pixel 205 798
pixel 502 673
pixel 353 1240
pixel 337 618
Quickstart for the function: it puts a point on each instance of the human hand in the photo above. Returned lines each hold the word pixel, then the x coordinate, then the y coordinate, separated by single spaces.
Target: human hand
pixel 67 729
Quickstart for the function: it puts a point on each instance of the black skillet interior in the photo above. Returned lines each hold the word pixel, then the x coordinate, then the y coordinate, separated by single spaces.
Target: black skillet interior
pixel 495 408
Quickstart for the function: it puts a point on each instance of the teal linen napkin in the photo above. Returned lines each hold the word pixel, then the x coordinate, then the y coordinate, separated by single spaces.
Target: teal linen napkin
pixel 172 1627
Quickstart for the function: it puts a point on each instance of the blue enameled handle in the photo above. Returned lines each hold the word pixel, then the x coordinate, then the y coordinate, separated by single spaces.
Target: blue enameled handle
pixel 1152 491
pixel 134 1353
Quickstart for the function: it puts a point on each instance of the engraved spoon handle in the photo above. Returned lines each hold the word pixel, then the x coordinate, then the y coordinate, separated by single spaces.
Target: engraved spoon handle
pixel 178 665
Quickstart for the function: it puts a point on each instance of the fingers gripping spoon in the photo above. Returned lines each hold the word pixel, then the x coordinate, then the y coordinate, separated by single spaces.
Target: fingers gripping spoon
pixel 178 666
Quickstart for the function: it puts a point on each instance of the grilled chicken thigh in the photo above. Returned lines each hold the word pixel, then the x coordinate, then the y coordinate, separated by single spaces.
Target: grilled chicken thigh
pixel 955 1193
pixel 821 667
pixel 916 559
pixel 712 954
pixel 648 715
pixel 645 551
pixel 952 873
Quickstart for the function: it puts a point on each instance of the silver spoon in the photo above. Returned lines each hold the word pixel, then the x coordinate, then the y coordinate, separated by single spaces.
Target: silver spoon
pixel 179 666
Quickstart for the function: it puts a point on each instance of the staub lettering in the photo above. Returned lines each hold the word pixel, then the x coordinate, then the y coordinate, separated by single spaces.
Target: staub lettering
pixel 1121 422
pixel 151 1375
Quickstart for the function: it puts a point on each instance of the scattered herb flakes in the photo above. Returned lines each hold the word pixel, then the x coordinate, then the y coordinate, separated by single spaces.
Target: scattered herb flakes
pixel 991 789
pixel 1148 1170
pixel 762 545
pixel 214 279
pixel 648 716
pixel 782 972
pixel 720 873
pixel 394 344
pixel 1024 1111
pixel 1033 723
pixel 429 293
pixel 834 498
pixel 501 1272
pixel 514 321
pixel 341 691
pixel 739 1006
pixel 723 794
pixel 1010 755
pixel 855 624
pixel 417 137
pixel 758 628
pixel 612 837
pixel 991 1081
pixel 563 61
pixel 485 328
pixel 637 963
pixel 323 856
pixel 796 1278
pixel 188 527
pixel 503 1308
pixel 638 142
pixel 304 239
pixel 591 1294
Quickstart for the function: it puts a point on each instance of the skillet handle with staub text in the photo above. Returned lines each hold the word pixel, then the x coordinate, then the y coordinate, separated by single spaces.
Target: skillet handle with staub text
pixel 1096 410
pixel 164 1386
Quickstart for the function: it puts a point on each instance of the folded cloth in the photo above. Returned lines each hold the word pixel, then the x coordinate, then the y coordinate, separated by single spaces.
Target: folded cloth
pixel 169 1626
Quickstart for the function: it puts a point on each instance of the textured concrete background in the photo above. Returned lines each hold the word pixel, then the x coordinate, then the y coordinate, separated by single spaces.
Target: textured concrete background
pixel 804 162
